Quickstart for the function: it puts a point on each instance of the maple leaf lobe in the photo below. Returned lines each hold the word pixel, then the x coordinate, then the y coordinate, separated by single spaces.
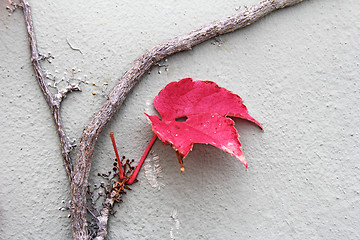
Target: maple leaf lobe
pixel 178 99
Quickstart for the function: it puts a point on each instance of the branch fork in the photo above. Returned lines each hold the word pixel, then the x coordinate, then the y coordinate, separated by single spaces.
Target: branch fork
pixel 62 93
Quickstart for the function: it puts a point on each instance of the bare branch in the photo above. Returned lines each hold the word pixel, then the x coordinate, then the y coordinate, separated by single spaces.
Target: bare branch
pixel 53 102
pixel 104 216
pixel 113 192
pixel 62 93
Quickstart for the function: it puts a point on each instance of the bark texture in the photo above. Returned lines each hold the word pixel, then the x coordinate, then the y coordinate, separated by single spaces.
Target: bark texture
pixel 104 217
pixel 53 100
pixel 78 176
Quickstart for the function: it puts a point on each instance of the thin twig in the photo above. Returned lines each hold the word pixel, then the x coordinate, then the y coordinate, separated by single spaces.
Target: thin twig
pixel 53 102
pixel 91 213
pixel 62 93
pixel 76 49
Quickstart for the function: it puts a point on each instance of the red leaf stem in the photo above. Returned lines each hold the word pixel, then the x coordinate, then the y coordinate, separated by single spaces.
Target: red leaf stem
pixel 121 174
pixel 137 169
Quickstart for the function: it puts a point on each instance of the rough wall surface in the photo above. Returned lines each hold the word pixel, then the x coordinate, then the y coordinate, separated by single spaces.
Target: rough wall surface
pixel 297 71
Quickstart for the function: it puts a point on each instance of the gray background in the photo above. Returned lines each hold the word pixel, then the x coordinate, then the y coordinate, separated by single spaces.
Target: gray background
pixel 297 71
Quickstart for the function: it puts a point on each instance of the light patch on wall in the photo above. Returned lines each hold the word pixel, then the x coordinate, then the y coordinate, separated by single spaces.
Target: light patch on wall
pixel 153 170
pixel 175 222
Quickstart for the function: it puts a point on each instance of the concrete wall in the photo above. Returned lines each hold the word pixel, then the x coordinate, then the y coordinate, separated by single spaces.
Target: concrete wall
pixel 297 71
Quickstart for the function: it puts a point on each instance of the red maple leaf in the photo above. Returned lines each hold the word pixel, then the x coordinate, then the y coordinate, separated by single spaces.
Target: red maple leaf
pixel 205 106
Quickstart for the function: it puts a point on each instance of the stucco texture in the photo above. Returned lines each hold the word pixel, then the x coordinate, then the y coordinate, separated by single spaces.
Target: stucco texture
pixel 297 70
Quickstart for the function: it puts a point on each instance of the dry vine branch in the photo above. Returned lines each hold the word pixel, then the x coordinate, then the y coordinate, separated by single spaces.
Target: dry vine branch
pixel 117 188
pixel 53 101
pixel 79 176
